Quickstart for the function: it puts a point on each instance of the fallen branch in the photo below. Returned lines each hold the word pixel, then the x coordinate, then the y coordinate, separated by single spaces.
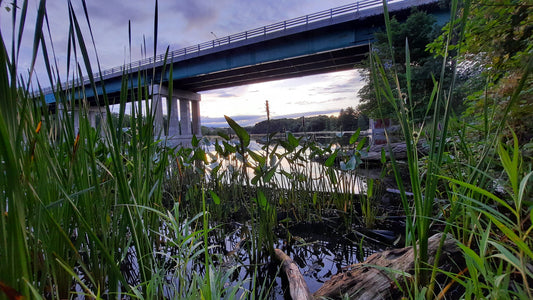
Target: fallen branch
pixel 298 287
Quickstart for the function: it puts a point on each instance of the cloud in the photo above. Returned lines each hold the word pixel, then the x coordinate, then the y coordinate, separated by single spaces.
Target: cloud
pixel 243 120
pixel 118 13
pixel 195 13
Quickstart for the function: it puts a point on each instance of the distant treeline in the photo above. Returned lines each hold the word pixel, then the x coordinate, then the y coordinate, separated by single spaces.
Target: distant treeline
pixel 348 119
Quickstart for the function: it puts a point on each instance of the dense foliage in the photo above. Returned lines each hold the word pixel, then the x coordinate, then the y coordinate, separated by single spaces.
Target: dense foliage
pixel 418 30
pixel 498 44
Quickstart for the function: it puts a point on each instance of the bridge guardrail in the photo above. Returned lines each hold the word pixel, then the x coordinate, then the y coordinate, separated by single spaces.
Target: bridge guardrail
pixel 245 35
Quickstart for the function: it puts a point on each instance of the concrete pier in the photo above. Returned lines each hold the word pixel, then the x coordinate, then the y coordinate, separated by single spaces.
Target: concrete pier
pixel 182 123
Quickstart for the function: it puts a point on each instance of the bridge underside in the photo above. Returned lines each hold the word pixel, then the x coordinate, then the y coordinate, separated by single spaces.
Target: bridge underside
pixel 317 63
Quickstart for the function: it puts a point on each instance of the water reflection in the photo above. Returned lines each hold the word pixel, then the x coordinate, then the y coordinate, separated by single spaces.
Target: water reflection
pixel 297 170
pixel 318 253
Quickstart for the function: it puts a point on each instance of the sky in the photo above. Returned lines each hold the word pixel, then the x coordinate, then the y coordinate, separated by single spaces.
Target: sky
pixel 184 23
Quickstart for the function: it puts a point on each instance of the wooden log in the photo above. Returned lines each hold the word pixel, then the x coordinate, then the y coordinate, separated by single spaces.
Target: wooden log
pixel 376 278
pixel 398 149
pixel 297 286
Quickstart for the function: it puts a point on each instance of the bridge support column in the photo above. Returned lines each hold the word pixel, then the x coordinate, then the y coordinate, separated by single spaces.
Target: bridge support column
pixel 91 114
pixel 157 109
pixel 196 122
pixel 173 118
pixel 100 112
pixel 181 123
pixel 185 117
pixel 76 116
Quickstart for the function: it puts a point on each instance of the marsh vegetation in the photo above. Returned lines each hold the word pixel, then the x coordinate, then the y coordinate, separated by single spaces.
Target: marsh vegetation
pixel 123 215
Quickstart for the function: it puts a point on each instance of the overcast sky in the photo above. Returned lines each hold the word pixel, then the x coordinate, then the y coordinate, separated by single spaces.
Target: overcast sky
pixel 185 23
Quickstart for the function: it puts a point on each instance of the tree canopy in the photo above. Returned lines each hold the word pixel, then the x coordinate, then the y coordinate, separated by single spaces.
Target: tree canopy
pixel 418 30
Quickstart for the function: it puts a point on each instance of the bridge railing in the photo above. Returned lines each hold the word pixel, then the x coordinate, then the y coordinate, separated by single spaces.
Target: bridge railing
pixel 242 36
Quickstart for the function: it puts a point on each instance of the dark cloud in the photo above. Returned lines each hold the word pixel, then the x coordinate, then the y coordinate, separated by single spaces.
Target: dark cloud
pixel 118 13
pixel 195 13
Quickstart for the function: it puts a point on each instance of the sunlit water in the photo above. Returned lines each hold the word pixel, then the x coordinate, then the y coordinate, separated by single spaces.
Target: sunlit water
pixel 313 174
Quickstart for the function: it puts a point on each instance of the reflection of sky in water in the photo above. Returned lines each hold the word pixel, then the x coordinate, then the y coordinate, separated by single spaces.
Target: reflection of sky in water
pixel 318 257
pixel 312 175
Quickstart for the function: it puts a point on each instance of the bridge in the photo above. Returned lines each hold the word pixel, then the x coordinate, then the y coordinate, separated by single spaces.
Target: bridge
pixel 330 40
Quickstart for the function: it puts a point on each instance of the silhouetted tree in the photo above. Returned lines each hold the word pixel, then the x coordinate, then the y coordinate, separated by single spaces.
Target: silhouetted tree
pixel 347 119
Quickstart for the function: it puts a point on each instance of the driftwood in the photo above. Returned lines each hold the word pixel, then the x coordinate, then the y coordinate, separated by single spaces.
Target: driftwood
pixel 297 286
pixel 398 149
pixel 376 278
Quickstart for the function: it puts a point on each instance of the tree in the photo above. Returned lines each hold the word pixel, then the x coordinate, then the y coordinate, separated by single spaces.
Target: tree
pixel 418 30
pixel 499 37
pixel 347 119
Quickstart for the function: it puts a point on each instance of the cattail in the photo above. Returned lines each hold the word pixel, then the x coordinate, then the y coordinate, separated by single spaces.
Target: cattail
pixel 38 127
pixel 76 142
pixel 267 110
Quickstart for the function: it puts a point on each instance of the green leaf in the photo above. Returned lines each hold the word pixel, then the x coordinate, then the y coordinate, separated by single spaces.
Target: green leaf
pixel 474 257
pixel 286 174
pixel 370 188
pixel 361 144
pixel 199 155
pixel 261 199
pixel 269 174
pixel 219 149
pixel 258 158
pixel 294 142
pixel 195 141
pixel 256 178
pixel 351 164
pixel 239 131
pixel 508 256
pixel 228 148
pixel 329 162
pixel 522 190
pixel 355 136
pixel 216 198
pixel 383 156
pixel 223 135
pixel 511 235
pixel 481 191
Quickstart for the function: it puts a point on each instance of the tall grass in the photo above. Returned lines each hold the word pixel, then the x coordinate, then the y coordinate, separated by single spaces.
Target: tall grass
pixel 474 215
pixel 81 212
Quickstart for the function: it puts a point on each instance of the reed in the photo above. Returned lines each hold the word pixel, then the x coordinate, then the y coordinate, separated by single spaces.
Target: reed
pixel 469 211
